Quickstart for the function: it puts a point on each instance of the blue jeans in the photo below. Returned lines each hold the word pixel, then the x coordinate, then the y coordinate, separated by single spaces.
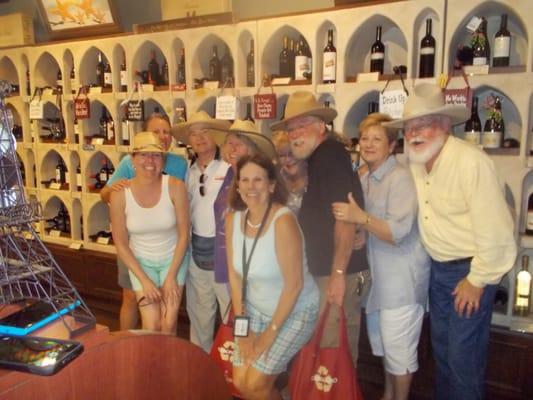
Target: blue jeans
pixel 459 344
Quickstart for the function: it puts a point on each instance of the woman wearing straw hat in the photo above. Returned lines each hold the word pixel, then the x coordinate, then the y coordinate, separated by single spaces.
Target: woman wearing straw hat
pixel 205 177
pixel 150 242
pixel 242 139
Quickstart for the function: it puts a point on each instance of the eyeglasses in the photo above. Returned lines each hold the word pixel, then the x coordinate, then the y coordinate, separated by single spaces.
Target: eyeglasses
pixel 203 180
pixel 300 126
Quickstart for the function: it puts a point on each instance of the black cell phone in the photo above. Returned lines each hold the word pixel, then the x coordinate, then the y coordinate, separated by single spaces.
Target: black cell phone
pixel 37 355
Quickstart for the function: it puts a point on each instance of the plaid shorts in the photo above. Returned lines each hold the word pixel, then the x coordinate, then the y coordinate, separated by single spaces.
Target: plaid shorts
pixel 293 335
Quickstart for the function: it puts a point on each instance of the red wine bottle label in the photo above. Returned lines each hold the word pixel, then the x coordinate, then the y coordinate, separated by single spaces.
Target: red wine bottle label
pixel 300 67
pixel 479 61
pixel 377 56
pixel 473 137
pixel 329 68
pixel 492 139
pixel 427 51
pixel 502 46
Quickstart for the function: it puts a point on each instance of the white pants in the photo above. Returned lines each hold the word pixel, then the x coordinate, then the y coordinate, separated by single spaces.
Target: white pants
pixel 202 293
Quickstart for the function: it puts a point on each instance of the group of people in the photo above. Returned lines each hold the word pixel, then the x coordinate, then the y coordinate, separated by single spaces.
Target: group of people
pixel 276 229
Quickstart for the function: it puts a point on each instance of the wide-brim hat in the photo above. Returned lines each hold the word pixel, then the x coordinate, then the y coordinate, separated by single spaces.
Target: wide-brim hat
pixel 144 142
pixel 201 119
pixel 428 99
pixel 248 129
pixel 303 104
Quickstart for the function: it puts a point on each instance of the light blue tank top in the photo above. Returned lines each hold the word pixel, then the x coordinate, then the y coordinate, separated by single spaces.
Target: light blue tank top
pixel 265 280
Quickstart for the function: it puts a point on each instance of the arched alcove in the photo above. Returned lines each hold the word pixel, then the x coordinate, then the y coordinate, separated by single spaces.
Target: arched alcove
pixel 142 58
pixel 419 33
pixel 99 166
pixel 87 67
pixel 244 46
pixel 45 71
pixel 357 112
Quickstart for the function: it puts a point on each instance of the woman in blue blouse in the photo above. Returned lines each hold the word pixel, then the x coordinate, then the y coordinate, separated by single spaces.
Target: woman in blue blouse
pixel 398 262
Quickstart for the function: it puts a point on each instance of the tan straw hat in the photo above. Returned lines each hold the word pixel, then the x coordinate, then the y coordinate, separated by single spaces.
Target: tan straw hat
pixel 303 104
pixel 248 129
pixel 200 120
pixel 144 142
pixel 428 99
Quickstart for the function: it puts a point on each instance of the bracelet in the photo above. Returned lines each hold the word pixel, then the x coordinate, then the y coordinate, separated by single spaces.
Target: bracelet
pixel 367 222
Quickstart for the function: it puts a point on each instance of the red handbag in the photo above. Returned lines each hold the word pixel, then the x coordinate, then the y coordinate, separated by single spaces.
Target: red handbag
pixel 222 352
pixel 325 373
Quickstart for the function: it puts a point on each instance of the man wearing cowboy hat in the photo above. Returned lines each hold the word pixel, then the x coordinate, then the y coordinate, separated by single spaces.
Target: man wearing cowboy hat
pixel 466 228
pixel 204 179
pixel 340 271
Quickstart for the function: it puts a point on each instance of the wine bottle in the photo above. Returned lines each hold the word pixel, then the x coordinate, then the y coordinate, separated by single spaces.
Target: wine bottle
pixel 125 131
pixel 226 68
pixel 522 301
pixel 301 65
pixel 284 63
pixel 73 80
pixel 494 129
pixel 250 66
pixel 79 178
pixel 63 220
pixel 427 53
pixel 473 125
pixel 61 172
pixel 377 53
pixel 329 62
pixel 59 79
pixel 28 85
pixel 110 130
pixel 214 65
pixel 108 79
pixel 180 78
pixel 164 74
pixel 502 45
pixel 76 126
pixel 102 127
pixel 529 220
pixel 153 70
pixel 480 45
pixel 123 75
pixel 248 116
pixel 104 174
pixel 307 52
pixel 100 67
pixel 329 125
pixel 292 54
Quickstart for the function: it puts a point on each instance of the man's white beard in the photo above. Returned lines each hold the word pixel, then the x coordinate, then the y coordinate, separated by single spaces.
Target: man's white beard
pixel 423 156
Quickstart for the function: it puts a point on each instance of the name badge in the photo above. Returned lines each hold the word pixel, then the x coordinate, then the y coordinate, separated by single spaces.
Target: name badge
pixel 241 326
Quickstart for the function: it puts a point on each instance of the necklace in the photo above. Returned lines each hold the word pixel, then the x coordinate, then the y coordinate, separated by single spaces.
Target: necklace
pixel 254 226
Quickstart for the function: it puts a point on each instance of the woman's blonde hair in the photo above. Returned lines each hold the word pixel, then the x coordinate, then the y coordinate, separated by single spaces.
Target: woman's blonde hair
pixel 377 119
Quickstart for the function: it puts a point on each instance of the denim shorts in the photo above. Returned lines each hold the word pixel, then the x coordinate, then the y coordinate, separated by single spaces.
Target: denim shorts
pixel 157 271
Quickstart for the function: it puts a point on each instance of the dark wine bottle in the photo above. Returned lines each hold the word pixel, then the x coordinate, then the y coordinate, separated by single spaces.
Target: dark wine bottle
pixel 108 78
pixel 529 220
pixel 494 129
pixel 480 45
pixel 473 125
pixel 248 116
pixel 123 75
pixel 100 67
pixel 427 53
pixel 214 66
pixel 79 178
pixel 329 125
pixel 61 172
pixel 250 66
pixel 59 79
pixel 180 78
pixel 292 54
pixel 502 45
pixel 164 73
pixel 329 62
pixel 153 70
pixel 284 60
pixel 73 80
pixel 102 127
pixel 226 68
pixel 377 53
pixel 301 62
pixel 28 84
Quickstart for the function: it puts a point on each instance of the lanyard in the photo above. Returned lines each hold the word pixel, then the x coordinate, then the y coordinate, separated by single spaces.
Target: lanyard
pixel 245 261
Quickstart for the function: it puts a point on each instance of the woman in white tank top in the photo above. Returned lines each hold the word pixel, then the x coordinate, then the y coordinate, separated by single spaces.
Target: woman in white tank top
pixel 150 221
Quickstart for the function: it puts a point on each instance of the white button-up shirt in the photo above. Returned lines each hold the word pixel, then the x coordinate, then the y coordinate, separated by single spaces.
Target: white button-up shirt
pixel 463 213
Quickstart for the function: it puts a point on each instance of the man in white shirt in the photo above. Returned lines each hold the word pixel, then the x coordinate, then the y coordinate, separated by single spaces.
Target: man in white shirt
pixel 204 179
pixel 467 229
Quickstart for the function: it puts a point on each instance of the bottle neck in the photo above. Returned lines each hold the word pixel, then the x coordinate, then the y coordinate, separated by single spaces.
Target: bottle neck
pixel 428 27
pixel 503 23
pixel 378 34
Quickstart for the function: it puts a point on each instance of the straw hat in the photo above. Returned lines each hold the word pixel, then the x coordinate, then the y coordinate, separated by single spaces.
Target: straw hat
pixel 144 142
pixel 303 104
pixel 428 99
pixel 200 120
pixel 249 130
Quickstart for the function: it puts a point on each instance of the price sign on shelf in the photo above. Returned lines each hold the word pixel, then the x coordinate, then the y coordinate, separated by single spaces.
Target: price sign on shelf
pixel 102 240
pixel 392 102
pixel 55 233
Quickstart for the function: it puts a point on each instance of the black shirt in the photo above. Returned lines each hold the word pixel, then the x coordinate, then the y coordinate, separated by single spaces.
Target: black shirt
pixel 330 179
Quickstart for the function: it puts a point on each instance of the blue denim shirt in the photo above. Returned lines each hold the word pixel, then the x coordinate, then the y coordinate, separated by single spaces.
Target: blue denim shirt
pixel 400 272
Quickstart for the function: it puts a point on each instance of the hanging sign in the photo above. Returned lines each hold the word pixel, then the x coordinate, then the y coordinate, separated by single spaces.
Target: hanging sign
pixel 36 105
pixel 265 105
pixel 392 102
pixel 82 105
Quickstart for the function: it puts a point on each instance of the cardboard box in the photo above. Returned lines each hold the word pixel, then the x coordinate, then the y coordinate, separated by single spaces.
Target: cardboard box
pixel 173 9
pixel 16 30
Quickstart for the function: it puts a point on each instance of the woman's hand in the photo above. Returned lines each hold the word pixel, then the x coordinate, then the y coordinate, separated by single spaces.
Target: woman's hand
pixel 171 291
pixel 246 348
pixel 119 185
pixel 262 343
pixel 150 292
pixel 349 212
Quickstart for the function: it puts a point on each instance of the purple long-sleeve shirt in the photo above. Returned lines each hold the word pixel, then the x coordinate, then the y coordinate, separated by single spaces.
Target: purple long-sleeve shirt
pixel 220 206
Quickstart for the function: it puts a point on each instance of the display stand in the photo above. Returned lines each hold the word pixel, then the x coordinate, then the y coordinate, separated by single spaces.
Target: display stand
pixel 28 270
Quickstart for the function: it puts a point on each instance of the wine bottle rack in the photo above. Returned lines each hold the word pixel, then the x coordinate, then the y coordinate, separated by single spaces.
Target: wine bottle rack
pixel 403 25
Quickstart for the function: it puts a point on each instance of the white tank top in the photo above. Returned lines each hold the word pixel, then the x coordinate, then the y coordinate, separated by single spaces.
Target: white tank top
pixel 152 231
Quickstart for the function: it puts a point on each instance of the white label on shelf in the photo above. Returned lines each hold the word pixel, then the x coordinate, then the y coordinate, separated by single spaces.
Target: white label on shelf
pixel 491 140
pixel 67 177
pixel 75 245
pixel 377 56
pixel 368 77
pixel 529 222
pixel 147 87
pixel 123 78
pixel 102 240
pixel 55 186
pixel 473 137
pixel 79 179
pixel 523 288
pixel 427 50
pixel 125 131
pixel 280 81
pixel 329 68
pixel 55 233
pixel 392 102
pixel 95 90
pixel 473 24
pixel 97 140
pixel 36 109
pixel 502 46
pixel 107 78
pixel 210 85
pixel 479 61
pixel 76 129
pixel 300 67
pixel 476 69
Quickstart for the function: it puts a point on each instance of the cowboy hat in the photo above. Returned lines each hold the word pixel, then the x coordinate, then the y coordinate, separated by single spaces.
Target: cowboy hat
pixel 428 99
pixel 248 129
pixel 201 119
pixel 144 142
pixel 303 104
